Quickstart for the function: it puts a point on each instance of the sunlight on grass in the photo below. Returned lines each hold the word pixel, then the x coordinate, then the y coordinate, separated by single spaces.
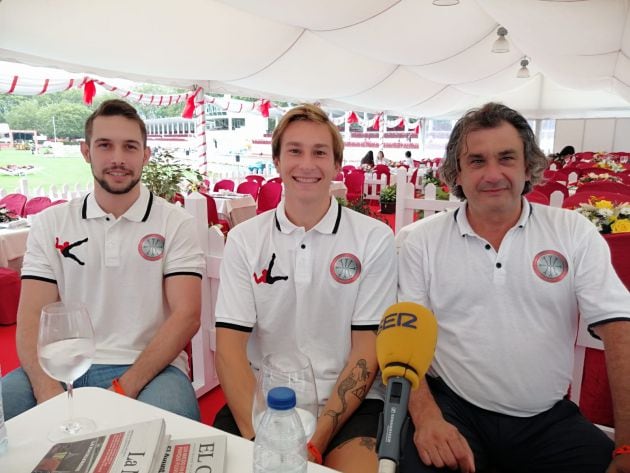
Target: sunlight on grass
pixel 50 171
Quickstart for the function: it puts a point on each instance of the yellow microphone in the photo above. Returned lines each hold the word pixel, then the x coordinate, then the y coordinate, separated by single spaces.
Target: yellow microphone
pixel 405 345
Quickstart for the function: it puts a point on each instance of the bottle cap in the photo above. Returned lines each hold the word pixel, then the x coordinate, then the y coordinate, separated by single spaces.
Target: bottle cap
pixel 281 398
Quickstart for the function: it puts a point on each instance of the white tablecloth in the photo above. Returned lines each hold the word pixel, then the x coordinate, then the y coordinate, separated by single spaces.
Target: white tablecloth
pixel 28 431
pixel 235 208
pixel 12 245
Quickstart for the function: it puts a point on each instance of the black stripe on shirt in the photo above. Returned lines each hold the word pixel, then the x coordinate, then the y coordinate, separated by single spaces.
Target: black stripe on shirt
pixel 240 328
pixel 39 278
pixel 183 273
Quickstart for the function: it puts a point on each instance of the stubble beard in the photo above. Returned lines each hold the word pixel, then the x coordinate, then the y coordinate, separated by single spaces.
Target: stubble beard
pixel 106 187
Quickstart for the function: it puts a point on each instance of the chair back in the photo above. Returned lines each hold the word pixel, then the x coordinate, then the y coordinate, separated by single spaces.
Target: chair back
pixel 249 187
pixel 354 182
pixel 269 196
pixel 223 184
pixel 550 186
pixel 339 176
pixel 36 205
pixel 14 203
pixel 619 244
pixel 275 179
pixel 347 169
pixel 255 177
pixel 594 187
pixel 58 201
pixel 537 197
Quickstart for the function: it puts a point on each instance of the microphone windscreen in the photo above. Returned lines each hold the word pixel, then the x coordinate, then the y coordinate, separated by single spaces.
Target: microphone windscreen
pixel 405 342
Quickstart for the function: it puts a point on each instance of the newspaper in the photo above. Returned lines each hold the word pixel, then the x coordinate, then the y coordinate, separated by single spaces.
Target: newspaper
pixel 195 455
pixel 135 448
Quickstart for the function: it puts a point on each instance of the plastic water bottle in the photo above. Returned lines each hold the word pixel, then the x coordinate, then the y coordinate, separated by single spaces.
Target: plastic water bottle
pixel 3 429
pixel 280 445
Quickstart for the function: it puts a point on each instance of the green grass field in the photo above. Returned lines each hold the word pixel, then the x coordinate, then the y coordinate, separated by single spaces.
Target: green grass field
pixel 51 171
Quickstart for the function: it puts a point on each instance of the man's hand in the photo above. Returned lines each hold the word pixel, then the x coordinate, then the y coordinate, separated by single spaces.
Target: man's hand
pixel 440 444
pixel 620 464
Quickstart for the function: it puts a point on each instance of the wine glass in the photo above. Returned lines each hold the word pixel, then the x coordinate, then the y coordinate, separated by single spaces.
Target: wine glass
pixel 294 371
pixel 65 348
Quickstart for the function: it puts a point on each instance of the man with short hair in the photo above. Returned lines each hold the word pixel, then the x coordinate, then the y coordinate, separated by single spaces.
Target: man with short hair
pixel 132 258
pixel 506 280
pixel 312 276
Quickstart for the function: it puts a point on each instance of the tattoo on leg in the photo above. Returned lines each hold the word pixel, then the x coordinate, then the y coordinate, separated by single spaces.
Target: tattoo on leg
pixel 359 373
pixel 369 443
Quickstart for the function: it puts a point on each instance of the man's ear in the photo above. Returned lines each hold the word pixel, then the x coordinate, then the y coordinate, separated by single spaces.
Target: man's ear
pixel 85 151
pixel 147 155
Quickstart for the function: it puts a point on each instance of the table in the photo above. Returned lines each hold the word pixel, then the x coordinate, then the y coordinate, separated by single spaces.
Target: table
pixel 12 246
pixel 338 189
pixel 27 432
pixel 233 207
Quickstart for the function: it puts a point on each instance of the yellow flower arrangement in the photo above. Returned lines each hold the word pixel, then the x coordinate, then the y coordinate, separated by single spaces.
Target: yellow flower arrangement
pixel 606 216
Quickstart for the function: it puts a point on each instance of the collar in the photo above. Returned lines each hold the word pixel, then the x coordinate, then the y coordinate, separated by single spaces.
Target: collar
pixel 329 224
pixel 138 212
pixel 461 219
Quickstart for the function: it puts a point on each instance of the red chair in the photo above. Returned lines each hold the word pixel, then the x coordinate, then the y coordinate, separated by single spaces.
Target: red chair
pixel 575 200
pixel 354 182
pixel 36 205
pixel 347 169
pixel 275 179
pixel 223 184
pixel 604 186
pixel 213 215
pixel 537 197
pixel 269 197
pixel 255 177
pixel 178 198
pixel 339 177
pixel 551 186
pixel 381 169
pixel 249 187
pixel 10 289
pixel 58 201
pixel 14 203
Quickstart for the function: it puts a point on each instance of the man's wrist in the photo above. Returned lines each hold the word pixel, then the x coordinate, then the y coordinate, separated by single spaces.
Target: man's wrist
pixel 621 450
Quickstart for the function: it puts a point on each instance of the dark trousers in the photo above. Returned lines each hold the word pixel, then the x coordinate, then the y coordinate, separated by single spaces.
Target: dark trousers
pixel 556 441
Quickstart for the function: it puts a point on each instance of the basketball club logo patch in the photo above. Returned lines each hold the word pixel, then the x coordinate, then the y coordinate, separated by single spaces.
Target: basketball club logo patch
pixel 345 268
pixel 550 266
pixel 151 247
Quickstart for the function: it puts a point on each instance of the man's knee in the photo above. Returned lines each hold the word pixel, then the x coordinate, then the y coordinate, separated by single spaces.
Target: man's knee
pixel 17 393
pixel 171 390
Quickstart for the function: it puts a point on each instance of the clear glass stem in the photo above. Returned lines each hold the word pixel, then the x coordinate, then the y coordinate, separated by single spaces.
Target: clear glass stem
pixel 70 405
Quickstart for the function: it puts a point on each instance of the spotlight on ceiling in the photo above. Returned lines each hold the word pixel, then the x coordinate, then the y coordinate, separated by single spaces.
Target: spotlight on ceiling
pixel 501 44
pixel 445 3
pixel 523 72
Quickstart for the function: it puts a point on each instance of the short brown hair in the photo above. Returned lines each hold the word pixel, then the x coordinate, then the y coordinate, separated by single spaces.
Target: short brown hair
pixel 491 115
pixel 310 113
pixel 113 108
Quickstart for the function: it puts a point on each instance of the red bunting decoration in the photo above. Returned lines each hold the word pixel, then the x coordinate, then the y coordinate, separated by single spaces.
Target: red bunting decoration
pixel 264 107
pixel 377 123
pixel 89 91
pixel 417 128
pixel 352 118
pixel 189 108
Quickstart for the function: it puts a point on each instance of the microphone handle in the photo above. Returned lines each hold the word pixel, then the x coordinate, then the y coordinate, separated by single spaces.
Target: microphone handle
pixel 394 421
pixel 387 466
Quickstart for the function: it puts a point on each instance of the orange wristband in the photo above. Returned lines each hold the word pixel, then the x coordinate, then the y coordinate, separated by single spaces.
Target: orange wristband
pixel 623 450
pixel 312 449
pixel 117 387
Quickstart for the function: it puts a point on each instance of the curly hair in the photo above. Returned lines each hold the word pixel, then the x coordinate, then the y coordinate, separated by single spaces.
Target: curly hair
pixel 491 115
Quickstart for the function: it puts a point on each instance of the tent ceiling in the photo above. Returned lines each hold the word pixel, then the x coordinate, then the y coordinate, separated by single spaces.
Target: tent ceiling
pixel 404 57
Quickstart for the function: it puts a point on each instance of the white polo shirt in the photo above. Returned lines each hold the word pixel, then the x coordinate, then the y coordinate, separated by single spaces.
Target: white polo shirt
pixel 295 289
pixel 115 266
pixel 508 319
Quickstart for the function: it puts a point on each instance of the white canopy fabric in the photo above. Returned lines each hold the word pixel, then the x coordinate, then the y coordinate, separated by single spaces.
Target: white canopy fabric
pixel 402 57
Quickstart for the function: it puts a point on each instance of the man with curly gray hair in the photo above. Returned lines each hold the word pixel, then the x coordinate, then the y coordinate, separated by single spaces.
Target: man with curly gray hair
pixel 506 280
